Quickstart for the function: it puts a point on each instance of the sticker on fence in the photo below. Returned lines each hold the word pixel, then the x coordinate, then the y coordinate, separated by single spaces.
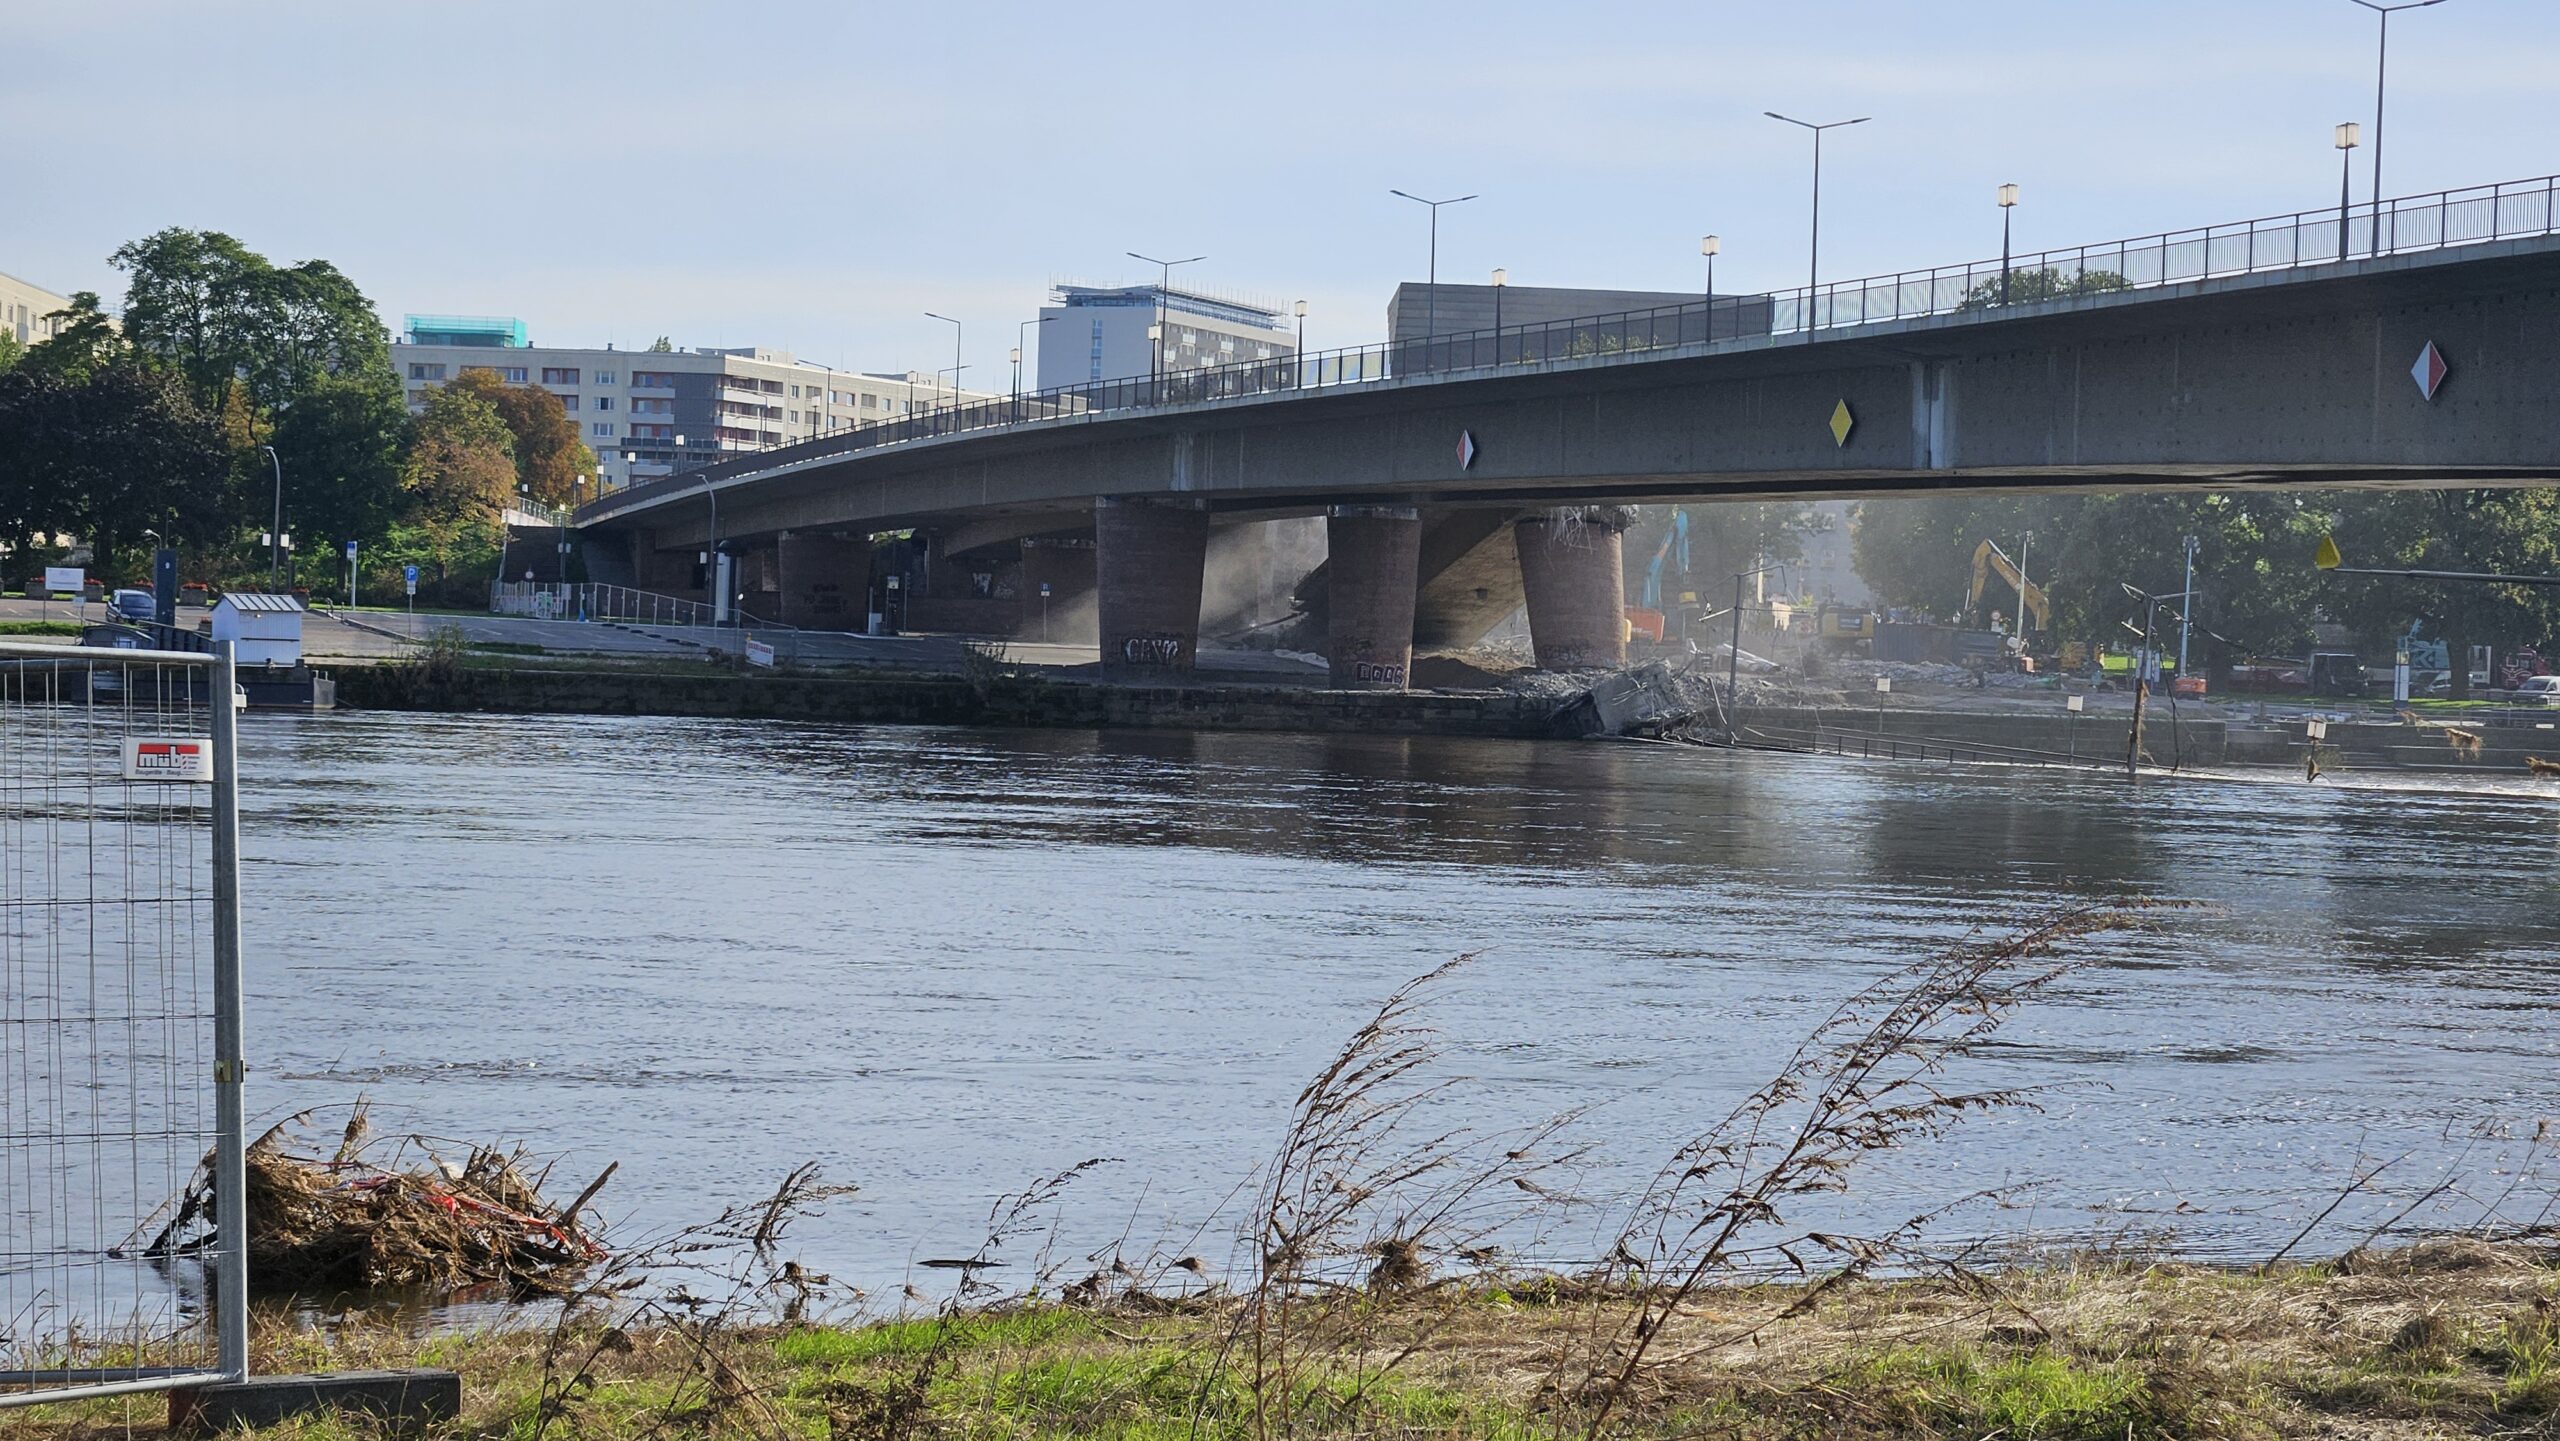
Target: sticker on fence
pixel 759 653
pixel 168 758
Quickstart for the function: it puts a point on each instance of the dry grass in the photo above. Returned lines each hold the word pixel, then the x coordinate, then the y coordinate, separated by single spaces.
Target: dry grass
pixel 2445 1338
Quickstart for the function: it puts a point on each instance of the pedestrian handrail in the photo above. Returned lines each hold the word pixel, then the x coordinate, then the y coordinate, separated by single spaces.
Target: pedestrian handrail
pixel 595 601
pixel 2075 275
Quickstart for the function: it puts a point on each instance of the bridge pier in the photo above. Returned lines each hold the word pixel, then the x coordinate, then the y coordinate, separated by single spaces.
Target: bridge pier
pixel 1573 571
pixel 1149 558
pixel 662 572
pixel 1373 555
pixel 820 577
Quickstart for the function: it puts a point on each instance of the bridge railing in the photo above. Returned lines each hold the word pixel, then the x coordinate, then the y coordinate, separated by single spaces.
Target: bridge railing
pixel 2478 214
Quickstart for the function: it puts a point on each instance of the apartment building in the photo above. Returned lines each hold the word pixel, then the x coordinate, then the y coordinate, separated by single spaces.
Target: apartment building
pixel 1094 333
pixel 648 413
pixel 23 309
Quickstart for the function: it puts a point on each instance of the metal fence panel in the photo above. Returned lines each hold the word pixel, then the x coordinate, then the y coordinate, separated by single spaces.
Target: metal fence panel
pixel 119 1021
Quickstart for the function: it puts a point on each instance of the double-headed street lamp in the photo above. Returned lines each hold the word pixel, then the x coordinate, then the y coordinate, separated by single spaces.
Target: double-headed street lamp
pixel 1164 300
pixel 2345 137
pixel 1814 271
pixel 2008 203
pixel 1431 278
pixel 956 333
pixel 2381 72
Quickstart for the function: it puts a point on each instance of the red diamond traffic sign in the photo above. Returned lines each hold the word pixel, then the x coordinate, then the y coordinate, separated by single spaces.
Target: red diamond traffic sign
pixel 1466 450
pixel 2430 371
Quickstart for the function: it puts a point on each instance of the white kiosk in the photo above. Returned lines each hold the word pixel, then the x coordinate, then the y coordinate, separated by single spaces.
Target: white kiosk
pixel 265 630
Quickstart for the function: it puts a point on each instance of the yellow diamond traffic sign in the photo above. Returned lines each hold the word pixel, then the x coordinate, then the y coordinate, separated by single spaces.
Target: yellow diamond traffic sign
pixel 1842 422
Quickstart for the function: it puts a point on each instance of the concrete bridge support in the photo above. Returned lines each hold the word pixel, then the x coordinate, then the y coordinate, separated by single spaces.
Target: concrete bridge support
pixel 1374 552
pixel 1149 557
pixel 1573 568
pixel 1065 614
pixel 823 578
pixel 662 572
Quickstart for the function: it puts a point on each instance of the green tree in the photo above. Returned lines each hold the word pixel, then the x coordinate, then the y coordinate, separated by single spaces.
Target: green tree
pixel 2508 532
pixel 83 341
pixel 461 465
pixel 550 456
pixel 2042 283
pixel 12 350
pixel 110 455
pixel 341 445
pixel 220 312
pixel 661 346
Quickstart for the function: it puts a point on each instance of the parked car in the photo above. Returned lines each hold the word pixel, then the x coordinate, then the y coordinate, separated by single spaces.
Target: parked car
pixel 2538 690
pixel 133 605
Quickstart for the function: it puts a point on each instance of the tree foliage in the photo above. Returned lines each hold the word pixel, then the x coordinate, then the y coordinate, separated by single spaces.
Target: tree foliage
pixel 220 312
pixel 461 465
pixel 83 341
pixel 110 455
pixel 550 456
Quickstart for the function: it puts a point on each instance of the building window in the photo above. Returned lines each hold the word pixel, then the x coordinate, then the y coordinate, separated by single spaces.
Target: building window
pixel 792 415
pixel 652 405
pixel 870 401
pixel 601 427
pixel 568 402
pixel 558 375
pixel 653 380
pixel 604 402
pixel 420 370
pixel 771 387
pixel 795 392
pixel 511 374
pixel 604 377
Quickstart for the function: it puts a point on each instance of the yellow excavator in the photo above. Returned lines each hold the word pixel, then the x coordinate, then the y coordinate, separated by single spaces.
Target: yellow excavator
pixel 1988 557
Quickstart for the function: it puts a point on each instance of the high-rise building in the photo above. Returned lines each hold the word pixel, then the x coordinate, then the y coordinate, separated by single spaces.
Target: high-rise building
pixel 1097 333
pixel 23 309
pixel 648 413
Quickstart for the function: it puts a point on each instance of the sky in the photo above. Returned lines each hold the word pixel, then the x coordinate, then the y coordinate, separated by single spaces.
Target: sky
pixel 814 175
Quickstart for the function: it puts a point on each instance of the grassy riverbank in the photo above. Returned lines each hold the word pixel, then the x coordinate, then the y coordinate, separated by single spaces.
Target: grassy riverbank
pixel 2446 1338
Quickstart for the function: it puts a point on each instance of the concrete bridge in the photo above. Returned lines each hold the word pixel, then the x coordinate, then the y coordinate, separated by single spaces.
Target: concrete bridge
pixel 1458 477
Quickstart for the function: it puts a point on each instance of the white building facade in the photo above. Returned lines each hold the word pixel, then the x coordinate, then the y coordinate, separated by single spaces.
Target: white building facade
pixel 648 413
pixel 1091 333
pixel 23 308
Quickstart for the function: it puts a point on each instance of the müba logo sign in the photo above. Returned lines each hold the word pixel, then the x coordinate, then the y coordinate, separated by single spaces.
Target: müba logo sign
pixel 168 758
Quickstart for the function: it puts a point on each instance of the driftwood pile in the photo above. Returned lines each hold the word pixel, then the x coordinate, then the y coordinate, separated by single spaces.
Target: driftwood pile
pixel 356 1219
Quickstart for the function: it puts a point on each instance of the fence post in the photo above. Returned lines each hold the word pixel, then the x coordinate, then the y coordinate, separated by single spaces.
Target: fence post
pixel 230 1168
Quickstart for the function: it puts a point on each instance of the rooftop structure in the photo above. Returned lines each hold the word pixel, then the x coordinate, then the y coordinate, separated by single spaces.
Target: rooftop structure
pixel 497 331
pixel 1100 333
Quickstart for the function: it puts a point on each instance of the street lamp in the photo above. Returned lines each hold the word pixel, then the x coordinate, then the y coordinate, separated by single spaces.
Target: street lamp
pixel 1164 300
pixel 275 537
pixel 2008 202
pixel 1814 269
pixel 1501 282
pixel 955 352
pixel 712 579
pixel 1020 330
pixel 1431 301
pixel 1711 246
pixel 2381 70
pixel 2346 137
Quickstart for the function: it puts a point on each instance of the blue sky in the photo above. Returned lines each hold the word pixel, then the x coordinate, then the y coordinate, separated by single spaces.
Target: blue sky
pixel 815 176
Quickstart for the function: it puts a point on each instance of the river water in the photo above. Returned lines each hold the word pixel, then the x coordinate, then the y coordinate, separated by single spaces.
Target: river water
pixel 941 963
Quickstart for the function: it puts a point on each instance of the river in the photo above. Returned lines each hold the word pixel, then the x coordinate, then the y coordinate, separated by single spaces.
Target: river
pixel 941 963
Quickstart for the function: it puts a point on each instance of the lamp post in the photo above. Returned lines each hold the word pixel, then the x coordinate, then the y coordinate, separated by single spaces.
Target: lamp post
pixel 1711 246
pixel 2008 203
pixel 1164 288
pixel 275 537
pixel 956 333
pixel 1501 282
pixel 1021 330
pixel 1298 367
pixel 1814 267
pixel 2381 72
pixel 2186 607
pixel 2346 137
pixel 713 580
pixel 1431 280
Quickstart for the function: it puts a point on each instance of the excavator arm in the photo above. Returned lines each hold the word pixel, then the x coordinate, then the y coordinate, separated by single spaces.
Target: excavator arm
pixel 1988 557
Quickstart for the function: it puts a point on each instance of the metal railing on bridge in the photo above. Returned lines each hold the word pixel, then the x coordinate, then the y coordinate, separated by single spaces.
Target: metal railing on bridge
pixel 2082 274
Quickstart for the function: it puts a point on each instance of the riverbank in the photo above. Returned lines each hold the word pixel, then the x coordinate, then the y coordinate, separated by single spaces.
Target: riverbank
pixel 2445 1338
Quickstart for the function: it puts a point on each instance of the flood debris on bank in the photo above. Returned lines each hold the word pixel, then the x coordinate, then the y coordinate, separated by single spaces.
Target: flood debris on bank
pixel 391 1213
